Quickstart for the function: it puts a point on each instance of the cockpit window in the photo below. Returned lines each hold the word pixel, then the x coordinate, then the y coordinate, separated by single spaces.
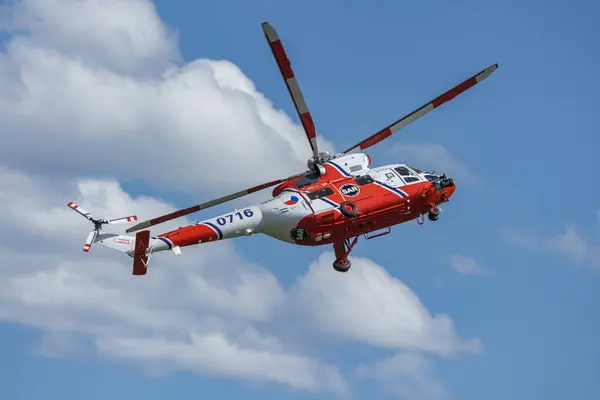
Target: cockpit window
pixel 418 171
pixel 430 178
pixel 363 180
pixel 410 179
pixel 317 194
pixel 308 179
pixel 403 171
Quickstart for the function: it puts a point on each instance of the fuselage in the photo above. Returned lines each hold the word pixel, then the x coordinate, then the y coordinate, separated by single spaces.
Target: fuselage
pixel 308 210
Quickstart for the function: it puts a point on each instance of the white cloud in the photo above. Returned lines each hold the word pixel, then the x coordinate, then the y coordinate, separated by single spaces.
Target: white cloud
pixel 92 89
pixel 571 244
pixel 465 265
pixel 214 353
pixel 125 36
pixel 433 157
pixel 372 306
pixel 409 375
pixel 185 306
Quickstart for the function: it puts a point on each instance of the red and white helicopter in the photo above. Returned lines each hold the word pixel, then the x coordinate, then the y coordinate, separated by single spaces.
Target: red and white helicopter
pixel 336 201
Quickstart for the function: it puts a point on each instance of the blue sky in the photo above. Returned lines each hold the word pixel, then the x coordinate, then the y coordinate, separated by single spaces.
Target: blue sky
pixel 521 145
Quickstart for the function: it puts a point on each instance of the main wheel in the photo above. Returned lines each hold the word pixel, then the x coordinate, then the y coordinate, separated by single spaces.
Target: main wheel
pixel 342 265
pixel 349 209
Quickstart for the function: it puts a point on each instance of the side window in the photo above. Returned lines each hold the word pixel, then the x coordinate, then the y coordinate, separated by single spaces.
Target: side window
pixel 307 179
pixel 410 179
pixel 317 194
pixel 363 180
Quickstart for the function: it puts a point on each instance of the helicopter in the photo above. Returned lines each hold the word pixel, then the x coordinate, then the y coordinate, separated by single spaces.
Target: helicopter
pixel 336 200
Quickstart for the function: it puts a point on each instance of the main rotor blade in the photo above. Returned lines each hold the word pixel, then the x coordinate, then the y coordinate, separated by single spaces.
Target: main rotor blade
pixel 421 111
pixel 202 206
pixel 285 67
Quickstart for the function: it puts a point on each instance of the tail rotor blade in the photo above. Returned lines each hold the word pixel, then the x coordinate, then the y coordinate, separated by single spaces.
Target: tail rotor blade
pixel 79 210
pixel 123 220
pixel 90 240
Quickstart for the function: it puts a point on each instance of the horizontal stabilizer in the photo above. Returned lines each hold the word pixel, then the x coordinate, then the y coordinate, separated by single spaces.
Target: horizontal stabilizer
pixel 122 243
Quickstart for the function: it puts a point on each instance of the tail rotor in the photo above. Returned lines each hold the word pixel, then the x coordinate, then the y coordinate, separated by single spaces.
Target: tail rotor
pixel 97 223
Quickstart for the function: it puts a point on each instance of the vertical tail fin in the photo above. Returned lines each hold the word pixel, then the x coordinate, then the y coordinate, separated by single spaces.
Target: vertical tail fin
pixel 140 256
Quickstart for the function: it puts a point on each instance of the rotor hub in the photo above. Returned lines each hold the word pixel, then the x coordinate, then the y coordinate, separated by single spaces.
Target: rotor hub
pixel 317 165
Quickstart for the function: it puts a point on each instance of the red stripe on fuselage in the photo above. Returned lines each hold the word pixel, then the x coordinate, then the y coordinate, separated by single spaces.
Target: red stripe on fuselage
pixel 190 235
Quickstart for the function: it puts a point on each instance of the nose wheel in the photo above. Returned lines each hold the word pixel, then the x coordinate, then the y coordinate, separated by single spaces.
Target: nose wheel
pixel 434 214
pixel 342 249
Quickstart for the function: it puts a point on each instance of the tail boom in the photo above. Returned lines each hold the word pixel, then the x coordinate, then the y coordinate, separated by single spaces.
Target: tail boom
pixel 241 222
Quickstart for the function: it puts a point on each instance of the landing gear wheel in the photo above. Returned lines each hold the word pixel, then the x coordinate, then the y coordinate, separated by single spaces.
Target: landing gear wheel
pixel 342 265
pixel 432 216
pixel 349 209
pixel 342 248
pixel 434 213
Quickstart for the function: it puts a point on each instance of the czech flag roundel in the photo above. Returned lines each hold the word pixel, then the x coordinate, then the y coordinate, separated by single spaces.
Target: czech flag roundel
pixel 291 200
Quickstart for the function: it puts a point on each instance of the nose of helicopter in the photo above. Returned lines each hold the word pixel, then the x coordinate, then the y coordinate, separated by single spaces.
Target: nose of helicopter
pixel 448 186
pixel 450 189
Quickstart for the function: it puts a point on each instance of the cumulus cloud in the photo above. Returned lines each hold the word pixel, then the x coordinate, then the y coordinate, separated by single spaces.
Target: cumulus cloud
pixel 433 157
pixel 97 33
pixel 465 265
pixel 99 84
pixel 193 312
pixel 214 353
pixel 409 375
pixel 396 317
